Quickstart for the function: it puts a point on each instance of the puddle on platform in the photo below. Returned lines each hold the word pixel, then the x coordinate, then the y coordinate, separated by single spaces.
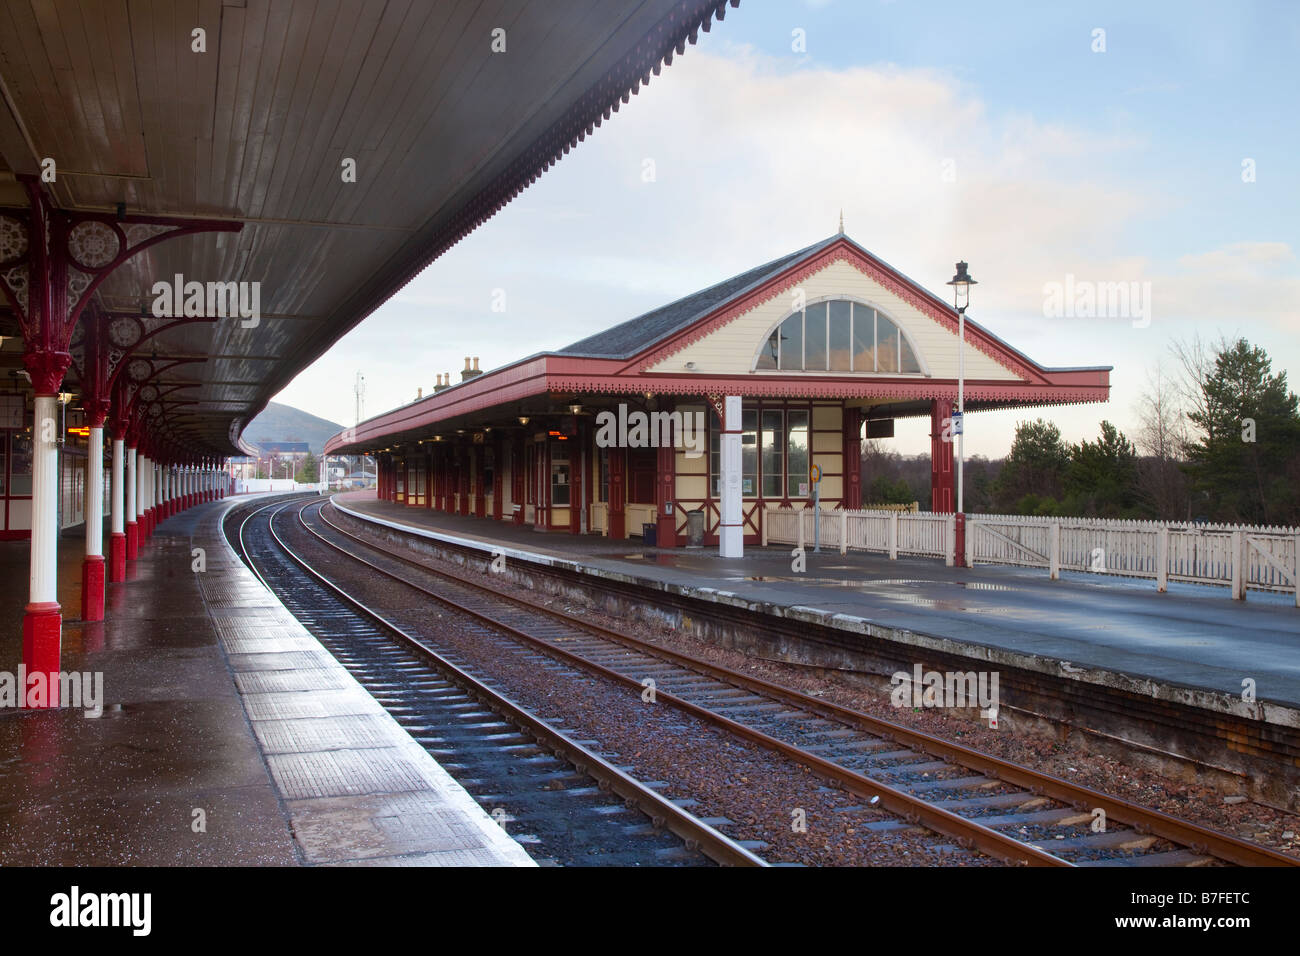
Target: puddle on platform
pixel 661 558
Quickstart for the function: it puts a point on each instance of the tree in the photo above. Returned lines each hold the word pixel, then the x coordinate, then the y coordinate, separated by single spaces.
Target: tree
pixel 1161 439
pixel 886 492
pixel 1101 480
pixel 1036 466
pixel 308 470
pixel 1246 453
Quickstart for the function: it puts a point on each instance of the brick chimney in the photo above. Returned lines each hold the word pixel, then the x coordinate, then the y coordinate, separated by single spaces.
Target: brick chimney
pixel 443 382
pixel 467 372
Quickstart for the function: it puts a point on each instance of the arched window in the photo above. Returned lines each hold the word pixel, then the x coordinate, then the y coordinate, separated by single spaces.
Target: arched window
pixel 838 336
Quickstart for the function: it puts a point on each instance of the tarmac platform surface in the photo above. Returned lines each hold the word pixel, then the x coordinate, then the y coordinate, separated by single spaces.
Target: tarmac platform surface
pixel 228 734
pixel 1193 636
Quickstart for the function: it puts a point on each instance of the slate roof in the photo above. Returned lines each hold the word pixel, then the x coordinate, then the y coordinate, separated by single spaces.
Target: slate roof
pixel 635 335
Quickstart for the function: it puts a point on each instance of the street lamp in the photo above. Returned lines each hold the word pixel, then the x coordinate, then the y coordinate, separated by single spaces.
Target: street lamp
pixel 961 284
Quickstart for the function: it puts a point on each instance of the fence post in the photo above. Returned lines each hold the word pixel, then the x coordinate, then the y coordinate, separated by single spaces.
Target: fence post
pixel 798 518
pixel 1238 569
pixel 950 540
pixel 1054 552
pixel 1295 580
pixel 767 514
pixel 1162 559
pixel 844 531
pixel 970 544
pixel 893 536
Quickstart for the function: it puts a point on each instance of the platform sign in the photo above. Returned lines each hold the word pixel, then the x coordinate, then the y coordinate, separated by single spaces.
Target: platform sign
pixel 815 474
pixel 957 423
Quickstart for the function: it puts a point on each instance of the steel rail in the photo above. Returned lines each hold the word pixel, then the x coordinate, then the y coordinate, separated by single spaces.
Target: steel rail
pixel 968 833
pixel 1144 820
pixel 662 812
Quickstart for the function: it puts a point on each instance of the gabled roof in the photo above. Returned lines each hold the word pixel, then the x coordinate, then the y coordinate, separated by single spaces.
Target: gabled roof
pixel 635 335
pixel 621 359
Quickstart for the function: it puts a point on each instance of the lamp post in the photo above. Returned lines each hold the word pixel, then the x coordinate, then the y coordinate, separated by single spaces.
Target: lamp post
pixel 961 284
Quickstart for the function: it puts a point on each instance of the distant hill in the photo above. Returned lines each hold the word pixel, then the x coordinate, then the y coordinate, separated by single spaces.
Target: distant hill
pixel 286 423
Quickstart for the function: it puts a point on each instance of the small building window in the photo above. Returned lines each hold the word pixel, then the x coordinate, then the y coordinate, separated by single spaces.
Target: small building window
pixel 560 475
pixel 797 452
pixel 773 443
pixel 748 455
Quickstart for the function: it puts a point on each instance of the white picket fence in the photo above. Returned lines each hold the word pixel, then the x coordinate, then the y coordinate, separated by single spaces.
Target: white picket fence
pixel 1238 556
pixel 245 486
pixel 890 532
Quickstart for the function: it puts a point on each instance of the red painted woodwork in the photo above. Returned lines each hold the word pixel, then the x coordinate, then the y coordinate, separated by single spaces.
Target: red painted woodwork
pixel 617 493
pixel 463 478
pixel 665 491
pixel 518 478
pixel 480 489
pixel 941 474
pixel 498 479
pixel 852 460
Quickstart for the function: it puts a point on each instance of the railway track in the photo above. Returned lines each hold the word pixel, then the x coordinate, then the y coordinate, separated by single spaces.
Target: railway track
pixel 563 801
pixel 1011 812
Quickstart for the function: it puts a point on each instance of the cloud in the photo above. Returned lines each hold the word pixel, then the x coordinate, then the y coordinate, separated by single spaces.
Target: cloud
pixel 753 156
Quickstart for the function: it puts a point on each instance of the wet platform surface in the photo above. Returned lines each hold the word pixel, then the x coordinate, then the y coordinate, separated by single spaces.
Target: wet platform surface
pixel 1193 636
pixel 228 735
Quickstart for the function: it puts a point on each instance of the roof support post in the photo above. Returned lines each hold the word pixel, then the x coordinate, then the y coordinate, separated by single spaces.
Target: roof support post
pixel 132 488
pixel 42 620
pixel 852 452
pixel 941 476
pixel 731 536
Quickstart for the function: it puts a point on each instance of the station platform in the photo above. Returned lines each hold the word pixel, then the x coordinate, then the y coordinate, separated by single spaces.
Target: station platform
pixel 1193 644
pixel 227 735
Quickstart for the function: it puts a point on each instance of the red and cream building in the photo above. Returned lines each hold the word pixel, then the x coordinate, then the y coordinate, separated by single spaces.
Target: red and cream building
pixel 788 366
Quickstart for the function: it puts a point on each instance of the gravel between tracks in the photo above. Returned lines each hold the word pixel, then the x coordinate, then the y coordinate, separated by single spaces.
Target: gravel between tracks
pixel 755 789
pixel 1205 805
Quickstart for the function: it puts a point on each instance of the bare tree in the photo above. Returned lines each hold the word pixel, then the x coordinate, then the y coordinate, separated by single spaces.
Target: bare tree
pixel 1162 434
pixel 1195 359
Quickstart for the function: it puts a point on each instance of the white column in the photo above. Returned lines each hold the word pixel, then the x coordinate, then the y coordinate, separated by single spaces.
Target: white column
pixel 142 492
pixel 131 485
pixel 731 537
pixel 45 495
pixel 95 492
pixel 119 499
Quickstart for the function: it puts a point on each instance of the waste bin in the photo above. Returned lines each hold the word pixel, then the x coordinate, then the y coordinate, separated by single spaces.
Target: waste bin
pixel 695 528
pixel 649 535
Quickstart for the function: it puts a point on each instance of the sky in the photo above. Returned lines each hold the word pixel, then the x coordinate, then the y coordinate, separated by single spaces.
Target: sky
pixel 1162 151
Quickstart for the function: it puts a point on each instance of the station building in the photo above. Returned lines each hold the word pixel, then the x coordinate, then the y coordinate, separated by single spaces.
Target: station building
pixel 625 433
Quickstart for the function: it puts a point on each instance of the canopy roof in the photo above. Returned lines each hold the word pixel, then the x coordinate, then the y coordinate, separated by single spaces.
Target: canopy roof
pixel 260 128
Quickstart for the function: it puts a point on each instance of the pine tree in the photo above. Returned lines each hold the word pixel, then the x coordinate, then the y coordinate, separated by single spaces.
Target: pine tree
pixel 1034 470
pixel 1246 459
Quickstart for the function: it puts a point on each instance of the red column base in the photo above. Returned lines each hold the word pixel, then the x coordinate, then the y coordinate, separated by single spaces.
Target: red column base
pixel 959 541
pixel 42 637
pixel 132 541
pixel 666 531
pixel 92 587
pixel 117 557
